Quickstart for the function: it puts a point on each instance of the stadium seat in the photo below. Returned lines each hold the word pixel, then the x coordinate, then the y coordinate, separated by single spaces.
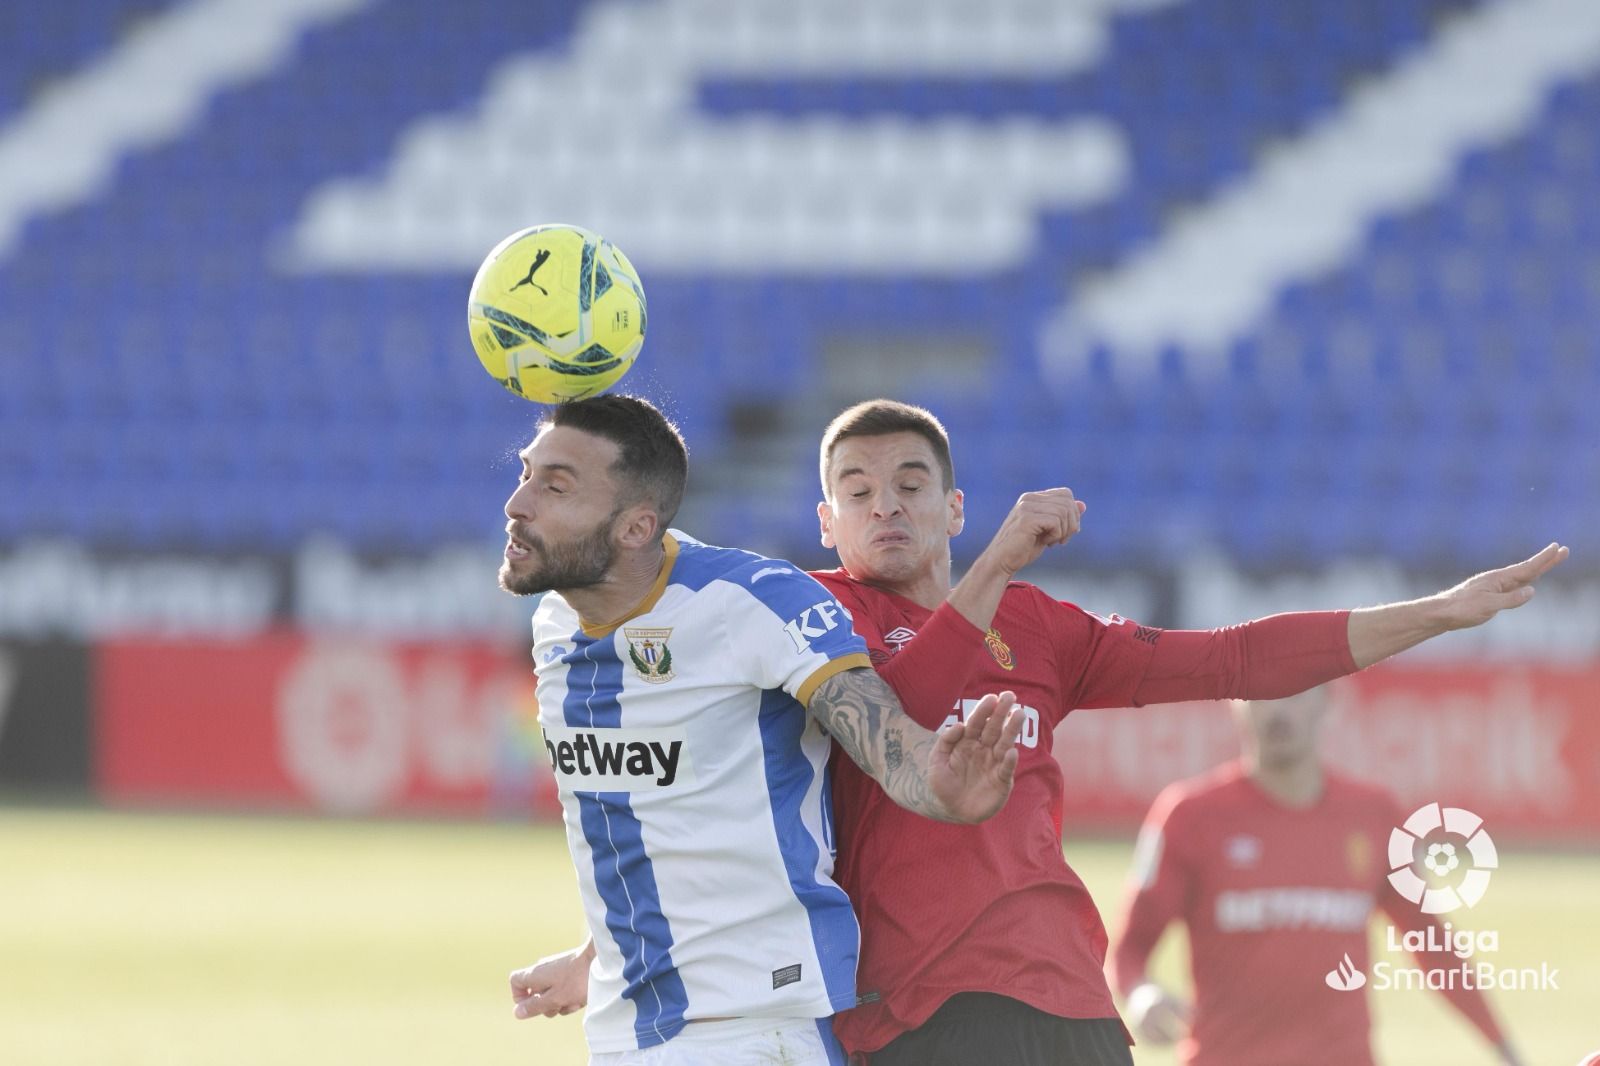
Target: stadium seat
pixel 1368 410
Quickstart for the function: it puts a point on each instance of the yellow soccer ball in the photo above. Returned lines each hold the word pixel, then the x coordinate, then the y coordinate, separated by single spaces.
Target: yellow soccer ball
pixel 556 313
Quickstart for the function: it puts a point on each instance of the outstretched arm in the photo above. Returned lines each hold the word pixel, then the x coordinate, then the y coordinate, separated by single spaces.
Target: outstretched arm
pixel 1284 654
pixel 961 774
pixel 1379 632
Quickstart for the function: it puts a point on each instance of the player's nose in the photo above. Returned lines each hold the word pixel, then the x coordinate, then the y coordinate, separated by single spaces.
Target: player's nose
pixel 519 505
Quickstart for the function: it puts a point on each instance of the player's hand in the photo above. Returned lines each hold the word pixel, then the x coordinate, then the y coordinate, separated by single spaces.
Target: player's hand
pixel 1037 521
pixel 1156 1016
pixel 556 985
pixel 972 763
pixel 1480 598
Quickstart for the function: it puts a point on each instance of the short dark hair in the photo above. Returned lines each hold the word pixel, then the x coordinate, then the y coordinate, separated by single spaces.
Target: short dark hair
pixel 877 418
pixel 652 461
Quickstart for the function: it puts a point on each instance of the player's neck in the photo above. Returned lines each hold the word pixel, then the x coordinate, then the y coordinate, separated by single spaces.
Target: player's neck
pixel 928 589
pixel 927 592
pixel 1297 784
pixel 633 577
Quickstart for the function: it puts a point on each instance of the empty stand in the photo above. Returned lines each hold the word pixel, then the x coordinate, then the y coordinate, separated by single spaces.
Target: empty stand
pixel 173 380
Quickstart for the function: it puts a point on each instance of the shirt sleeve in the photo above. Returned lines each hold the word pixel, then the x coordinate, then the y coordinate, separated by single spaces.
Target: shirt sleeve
pixel 1159 887
pixel 788 632
pixel 1266 659
pixel 1113 662
pixel 1100 661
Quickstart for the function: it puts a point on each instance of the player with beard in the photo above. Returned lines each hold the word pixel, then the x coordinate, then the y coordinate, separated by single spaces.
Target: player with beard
pixel 979 943
pixel 1275 864
pixel 687 694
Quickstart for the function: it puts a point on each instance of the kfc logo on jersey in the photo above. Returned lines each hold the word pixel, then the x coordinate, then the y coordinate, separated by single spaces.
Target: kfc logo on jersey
pixel 815 621
pixel 617 760
pixel 1028 738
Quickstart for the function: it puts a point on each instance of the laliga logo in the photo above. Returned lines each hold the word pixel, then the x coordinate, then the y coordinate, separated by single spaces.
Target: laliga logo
pixel 1441 857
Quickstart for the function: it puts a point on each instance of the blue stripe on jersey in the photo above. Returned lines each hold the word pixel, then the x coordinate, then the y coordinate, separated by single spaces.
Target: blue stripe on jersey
pixel 622 869
pixel 830 1043
pixel 698 565
pixel 833 924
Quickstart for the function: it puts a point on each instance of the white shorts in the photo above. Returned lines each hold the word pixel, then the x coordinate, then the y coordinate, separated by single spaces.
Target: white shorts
pixel 739 1042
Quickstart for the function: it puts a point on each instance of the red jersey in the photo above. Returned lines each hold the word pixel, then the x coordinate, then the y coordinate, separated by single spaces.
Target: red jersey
pixel 1274 897
pixel 994 907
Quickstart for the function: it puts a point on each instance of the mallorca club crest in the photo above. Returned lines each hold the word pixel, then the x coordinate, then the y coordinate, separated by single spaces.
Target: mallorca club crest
pixel 647 650
pixel 999 649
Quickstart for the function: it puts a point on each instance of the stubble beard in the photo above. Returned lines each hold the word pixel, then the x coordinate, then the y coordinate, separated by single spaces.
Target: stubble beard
pixel 580 563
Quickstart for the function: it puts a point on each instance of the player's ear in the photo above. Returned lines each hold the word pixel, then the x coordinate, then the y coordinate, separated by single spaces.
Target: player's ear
pixel 636 526
pixel 825 524
pixel 958 512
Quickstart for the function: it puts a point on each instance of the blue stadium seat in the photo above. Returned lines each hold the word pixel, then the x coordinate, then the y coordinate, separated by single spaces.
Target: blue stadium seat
pixel 1373 408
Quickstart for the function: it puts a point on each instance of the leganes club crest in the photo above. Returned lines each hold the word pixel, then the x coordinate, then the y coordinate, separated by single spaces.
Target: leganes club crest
pixel 648 651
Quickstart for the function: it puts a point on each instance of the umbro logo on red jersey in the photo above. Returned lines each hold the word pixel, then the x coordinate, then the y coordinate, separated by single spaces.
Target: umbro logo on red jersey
pixel 898 637
pixel 1243 850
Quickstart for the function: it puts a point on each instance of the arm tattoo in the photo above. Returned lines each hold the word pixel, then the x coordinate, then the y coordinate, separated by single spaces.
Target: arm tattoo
pixel 892 755
pixel 860 711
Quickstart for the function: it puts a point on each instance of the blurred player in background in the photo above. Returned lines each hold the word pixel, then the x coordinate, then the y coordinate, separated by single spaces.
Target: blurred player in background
pixel 980 944
pixel 1275 864
pixel 683 694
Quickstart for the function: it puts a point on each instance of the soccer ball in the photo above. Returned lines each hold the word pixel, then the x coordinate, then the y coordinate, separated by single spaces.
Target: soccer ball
pixel 556 313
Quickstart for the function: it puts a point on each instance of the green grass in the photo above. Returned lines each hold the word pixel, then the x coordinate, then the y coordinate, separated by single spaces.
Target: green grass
pixel 139 940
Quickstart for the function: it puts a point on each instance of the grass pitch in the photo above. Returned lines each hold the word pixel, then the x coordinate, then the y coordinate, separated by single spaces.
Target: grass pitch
pixel 170 940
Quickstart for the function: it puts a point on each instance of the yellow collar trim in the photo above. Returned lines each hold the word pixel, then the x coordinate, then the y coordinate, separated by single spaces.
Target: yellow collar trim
pixel 669 547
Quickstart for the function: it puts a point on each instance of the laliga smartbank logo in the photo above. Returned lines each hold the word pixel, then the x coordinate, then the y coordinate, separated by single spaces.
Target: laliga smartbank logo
pixel 1441 860
pixel 1441 838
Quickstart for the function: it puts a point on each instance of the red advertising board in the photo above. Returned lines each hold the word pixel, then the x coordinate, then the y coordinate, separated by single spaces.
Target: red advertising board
pixel 365 726
pixel 1518 745
pixel 292 721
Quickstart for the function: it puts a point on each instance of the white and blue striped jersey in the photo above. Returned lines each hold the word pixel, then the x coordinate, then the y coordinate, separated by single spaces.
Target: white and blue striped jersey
pixel 694 789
